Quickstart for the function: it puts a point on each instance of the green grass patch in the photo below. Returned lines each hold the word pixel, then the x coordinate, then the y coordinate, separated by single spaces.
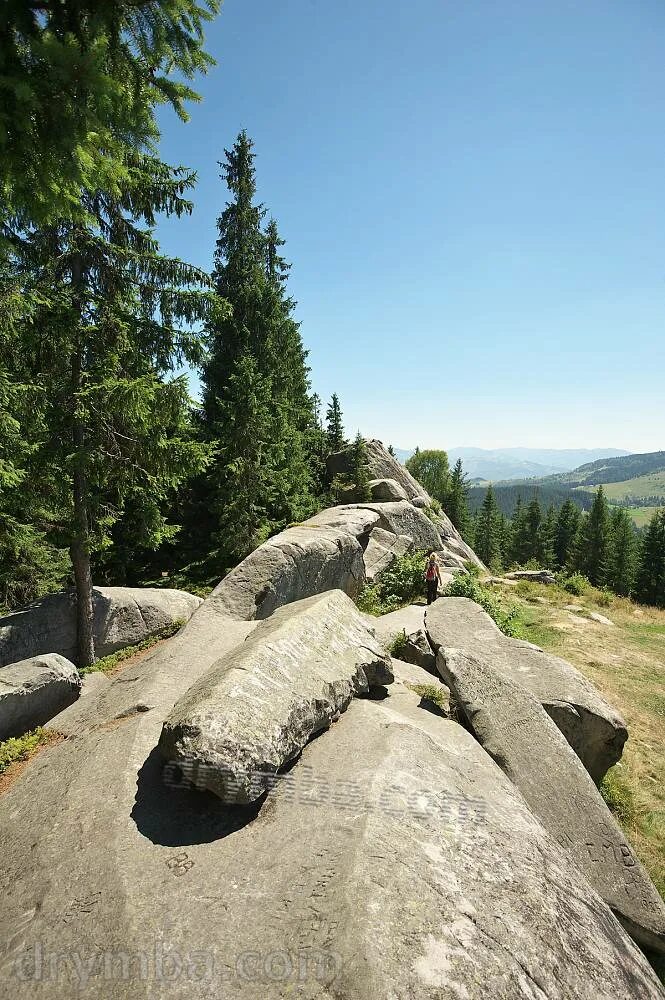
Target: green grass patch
pixel 619 797
pixel 107 663
pixel 433 693
pixel 397 644
pixel 21 747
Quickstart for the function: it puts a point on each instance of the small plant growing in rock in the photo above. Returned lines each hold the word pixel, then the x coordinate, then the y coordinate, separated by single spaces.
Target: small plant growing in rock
pixel 397 643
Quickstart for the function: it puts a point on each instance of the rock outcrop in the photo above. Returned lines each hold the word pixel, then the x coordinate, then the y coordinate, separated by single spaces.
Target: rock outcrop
pixel 533 576
pixel 394 860
pixel 255 710
pixel 33 691
pixel 595 731
pixel 387 489
pixel 123 616
pixel 382 549
pixel 407 625
pixel 517 732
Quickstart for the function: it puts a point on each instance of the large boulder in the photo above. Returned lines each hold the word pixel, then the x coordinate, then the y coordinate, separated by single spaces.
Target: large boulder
pixel 533 576
pixel 387 489
pixel 407 626
pixel 123 616
pixel 255 710
pixel 381 465
pixel 33 691
pixel 297 563
pixel 595 731
pixel 394 860
pixel 517 732
pixel 382 549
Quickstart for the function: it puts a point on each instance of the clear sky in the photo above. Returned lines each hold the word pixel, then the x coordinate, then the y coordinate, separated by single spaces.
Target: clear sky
pixel 473 198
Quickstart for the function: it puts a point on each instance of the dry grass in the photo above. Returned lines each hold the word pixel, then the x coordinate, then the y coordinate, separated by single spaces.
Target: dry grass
pixel 626 662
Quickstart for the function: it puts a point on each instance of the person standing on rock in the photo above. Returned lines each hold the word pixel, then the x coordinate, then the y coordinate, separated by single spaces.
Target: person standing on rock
pixel 432 577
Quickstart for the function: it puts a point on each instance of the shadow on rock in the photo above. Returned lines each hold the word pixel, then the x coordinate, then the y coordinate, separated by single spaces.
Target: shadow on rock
pixel 174 814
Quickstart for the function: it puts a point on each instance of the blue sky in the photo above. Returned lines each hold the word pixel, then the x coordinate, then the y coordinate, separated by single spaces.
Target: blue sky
pixel 473 198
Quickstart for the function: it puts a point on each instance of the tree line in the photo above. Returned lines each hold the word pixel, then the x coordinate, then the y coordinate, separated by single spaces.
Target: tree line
pixel 601 544
pixel 108 469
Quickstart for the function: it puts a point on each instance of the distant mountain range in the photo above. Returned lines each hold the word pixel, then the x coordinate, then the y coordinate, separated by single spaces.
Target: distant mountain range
pixel 521 463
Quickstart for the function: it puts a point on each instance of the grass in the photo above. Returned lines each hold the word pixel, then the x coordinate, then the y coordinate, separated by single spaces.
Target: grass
pixel 650 485
pixel 627 664
pixel 642 515
pixel 21 748
pixel 435 694
pixel 108 663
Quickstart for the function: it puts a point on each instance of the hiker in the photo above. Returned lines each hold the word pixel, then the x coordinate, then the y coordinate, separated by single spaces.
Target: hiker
pixel 432 577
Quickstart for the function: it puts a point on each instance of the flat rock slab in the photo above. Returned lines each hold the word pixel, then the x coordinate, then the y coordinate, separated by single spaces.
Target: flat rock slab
pixel 394 860
pixel 408 623
pixel 255 710
pixel 386 489
pixel 517 732
pixel 410 673
pixel 123 616
pixel 33 691
pixel 595 731
pixel 382 549
pixel 533 576
pixel 595 616
pixel 295 564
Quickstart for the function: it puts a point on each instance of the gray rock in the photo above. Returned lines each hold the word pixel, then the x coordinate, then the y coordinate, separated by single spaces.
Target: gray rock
pixel 516 731
pixel 595 731
pixel 408 624
pixel 533 575
pixel 295 564
pixel 33 691
pixel 402 518
pixel 595 616
pixel 387 489
pixel 382 550
pixel 381 465
pixel 409 673
pixel 394 861
pixel 255 710
pixel 421 502
pixel 123 616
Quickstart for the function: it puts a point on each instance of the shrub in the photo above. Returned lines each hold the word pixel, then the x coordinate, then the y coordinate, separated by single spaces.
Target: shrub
pixel 605 598
pixel 397 643
pixel 399 585
pixel 576 584
pixel 468 586
pixel 20 747
pixel 435 694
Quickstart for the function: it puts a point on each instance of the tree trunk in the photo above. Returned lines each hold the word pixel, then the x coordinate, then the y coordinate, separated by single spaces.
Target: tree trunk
pixel 79 549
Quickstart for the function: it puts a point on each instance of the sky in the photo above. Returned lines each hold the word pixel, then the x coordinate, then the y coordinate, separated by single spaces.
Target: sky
pixel 473 199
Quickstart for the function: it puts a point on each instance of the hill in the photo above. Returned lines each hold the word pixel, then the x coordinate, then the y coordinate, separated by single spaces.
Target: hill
pixel 492 464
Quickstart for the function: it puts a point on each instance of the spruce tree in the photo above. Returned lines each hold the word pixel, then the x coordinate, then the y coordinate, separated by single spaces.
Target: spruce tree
pixel 621 568
pixel 533 523
pixel 520 535
pixel 457 507
pixel 334 426
pixel 359 470
pixel 650 581
pixel 592 546
pixel 487 537
pixel 548 538
pixel 567 524
pixel 79 83
pixel 99 352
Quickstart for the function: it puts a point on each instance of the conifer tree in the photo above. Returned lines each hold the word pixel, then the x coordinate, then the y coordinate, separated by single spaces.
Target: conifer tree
pixel 592 546
pixel 391 451
pixel 548 538
pixel 650 581
pixel 520 535
pixel 487 538
pixel 567 525
pixel 621 567
pixel 533 522
pixel 457 507
pixel 334 426
pixel 79 83
pixel 359 470
pixel 99 353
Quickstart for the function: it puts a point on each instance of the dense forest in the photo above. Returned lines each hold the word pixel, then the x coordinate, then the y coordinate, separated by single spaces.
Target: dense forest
pixel 109 471
pixel 600 545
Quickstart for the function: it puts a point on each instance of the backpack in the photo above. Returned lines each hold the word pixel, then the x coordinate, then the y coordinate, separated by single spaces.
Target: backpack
pixel 430 572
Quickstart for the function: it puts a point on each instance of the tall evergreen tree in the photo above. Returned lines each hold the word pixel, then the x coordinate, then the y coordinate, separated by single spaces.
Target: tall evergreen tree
pixel 456 506
pixel 621 567
pixel 359 470
pixel 567 524
pixel 520 535
pixel 533 521
pixel 79 83
pixel 548 538
pixel 487 538
pixel 335 426
pixel 99 352
pixel 592 546
pixel 650 582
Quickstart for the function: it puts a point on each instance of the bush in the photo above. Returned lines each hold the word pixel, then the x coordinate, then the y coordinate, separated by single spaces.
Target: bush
pixel 576 584
pixel 397 643
pixel 21 747
pixel 468 586
pixel 399 585
pixel 435 694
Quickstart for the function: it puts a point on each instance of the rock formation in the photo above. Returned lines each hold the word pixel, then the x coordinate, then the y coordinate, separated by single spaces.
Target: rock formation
pixel 33 691
pixel 594 730
pixel 517 732
pixel 123 616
